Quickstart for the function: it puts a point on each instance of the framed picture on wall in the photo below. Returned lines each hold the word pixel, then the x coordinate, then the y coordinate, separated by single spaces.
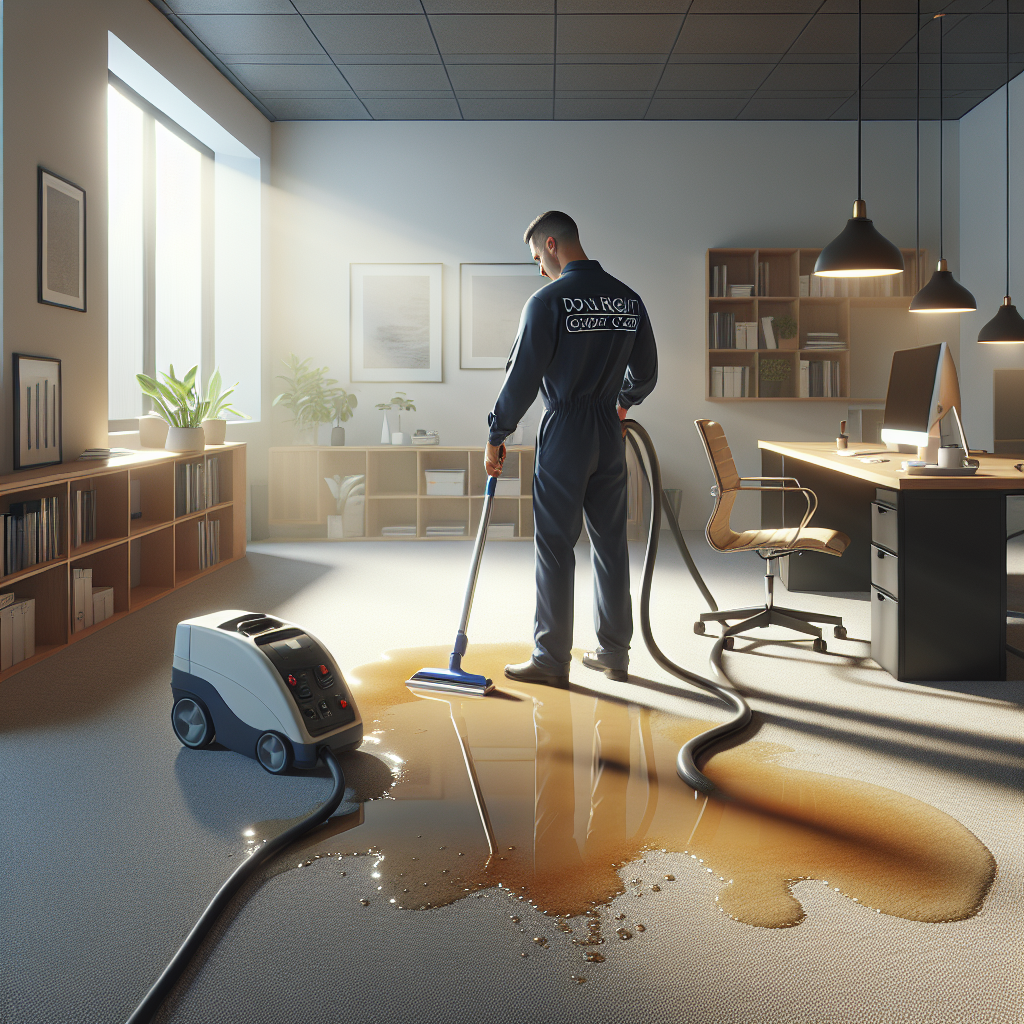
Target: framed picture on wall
pixel 396 322
pixel 491 303
pixel 37 411
pixel 61 242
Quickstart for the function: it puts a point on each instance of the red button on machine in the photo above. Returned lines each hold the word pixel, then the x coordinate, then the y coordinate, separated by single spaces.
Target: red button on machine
pixel 292 681
pixel 343 703
pixel 324 670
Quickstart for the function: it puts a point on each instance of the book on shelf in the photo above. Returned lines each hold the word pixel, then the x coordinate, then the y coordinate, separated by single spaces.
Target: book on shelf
pixel 102 603
pixel 719 281
pixel 805 286
pixel 190 487
pixel 17 631
pixel 730 381
pixel 31 533
pixel 212 482
pixel 722 330
pixel 819 378
pixel 209 542
pixel 768 332
pixel 84 522
pixel 81 599
pixel 446 530
pixel 104 453
pixel 763 278
pixel 885 286
pixel 399 531
pixel 746 334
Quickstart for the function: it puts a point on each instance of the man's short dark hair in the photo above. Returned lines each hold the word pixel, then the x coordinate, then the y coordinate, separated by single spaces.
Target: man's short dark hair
pixel 553 224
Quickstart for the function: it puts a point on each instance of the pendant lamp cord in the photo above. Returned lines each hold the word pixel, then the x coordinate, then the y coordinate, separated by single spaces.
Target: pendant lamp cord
pixel 1007 292
pixel 942 124
pixel 860 75
pixel 917 166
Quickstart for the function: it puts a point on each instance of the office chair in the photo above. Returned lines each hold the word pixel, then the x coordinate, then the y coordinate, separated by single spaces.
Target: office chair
pixel 769 544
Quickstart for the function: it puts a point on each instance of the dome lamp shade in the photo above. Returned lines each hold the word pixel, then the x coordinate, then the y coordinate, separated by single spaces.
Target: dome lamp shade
pixel 859 250
pixel 1005 328
pixel 943 294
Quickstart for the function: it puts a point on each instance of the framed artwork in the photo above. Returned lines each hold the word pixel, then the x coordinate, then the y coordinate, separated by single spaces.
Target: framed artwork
pixel 61 242
pixel 37 411
pixel 396 322
pixel 492 300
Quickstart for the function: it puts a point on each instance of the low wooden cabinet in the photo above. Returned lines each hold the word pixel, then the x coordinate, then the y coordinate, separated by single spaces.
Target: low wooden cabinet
pixel 395 491
pixel 142 558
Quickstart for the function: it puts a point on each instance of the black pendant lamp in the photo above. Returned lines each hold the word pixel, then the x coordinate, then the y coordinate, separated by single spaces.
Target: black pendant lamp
pixel 1007 326
pixel 943 293
pixel 859 250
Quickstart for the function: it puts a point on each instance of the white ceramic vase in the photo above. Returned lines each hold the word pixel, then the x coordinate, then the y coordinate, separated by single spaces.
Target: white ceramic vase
pixel 185 439
pixel 152 431
pixel 215 431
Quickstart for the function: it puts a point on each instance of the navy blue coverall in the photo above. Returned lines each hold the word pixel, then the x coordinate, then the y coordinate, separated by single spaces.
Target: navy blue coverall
pixel 585 341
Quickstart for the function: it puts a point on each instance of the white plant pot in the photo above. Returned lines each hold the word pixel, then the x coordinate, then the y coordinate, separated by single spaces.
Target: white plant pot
pixel 400 438
pixel 185 439
pixel 215 431
pixel 152 431
pixel 335 527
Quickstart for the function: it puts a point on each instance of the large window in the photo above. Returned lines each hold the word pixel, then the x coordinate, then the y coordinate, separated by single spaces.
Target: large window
pixel 161 250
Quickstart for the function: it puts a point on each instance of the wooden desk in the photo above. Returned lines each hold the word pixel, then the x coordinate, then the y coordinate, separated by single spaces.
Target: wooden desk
pixel 951 550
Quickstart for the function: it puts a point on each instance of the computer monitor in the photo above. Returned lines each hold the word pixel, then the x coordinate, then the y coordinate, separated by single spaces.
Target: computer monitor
pixel 923 388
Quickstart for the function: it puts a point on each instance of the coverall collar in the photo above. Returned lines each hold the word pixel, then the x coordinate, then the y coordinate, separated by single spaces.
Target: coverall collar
pixel 580 265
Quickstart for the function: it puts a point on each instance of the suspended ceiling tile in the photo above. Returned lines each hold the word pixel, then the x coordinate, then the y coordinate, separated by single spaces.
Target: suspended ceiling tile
pixel 410 109
pixel 345 59
pixel 368 96
pixel 505 108
pixel 609 77
pixel 837 33
pixel 984 77
pixel 494 33
pixel 754 6
pixel 808 108
pixel 501 77
pixel 730 33
pixel 373 33
pixel 812 77
pixel 878 108
pixel 882 6
pixel 489 6
pixel 605 109
pixel 715 76
pixel 253 33
pixel 657 59
pixel 231 6
pixel 358 7
pixel 893 76
pixel 318 110
pixel 623 6
pixel 395 76
pixel 704 94
pixel 712 108
pixel 510 59
pixel 305 59
pixel 617 33
pixel 261 77
pixel 500 94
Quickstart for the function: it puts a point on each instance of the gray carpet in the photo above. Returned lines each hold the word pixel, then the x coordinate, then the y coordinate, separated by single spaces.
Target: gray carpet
pixel 116 837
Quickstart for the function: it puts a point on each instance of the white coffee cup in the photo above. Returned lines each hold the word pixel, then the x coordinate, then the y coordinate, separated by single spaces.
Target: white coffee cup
pixel 951 457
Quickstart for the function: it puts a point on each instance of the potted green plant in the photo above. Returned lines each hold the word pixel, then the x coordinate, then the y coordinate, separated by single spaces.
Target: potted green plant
pixel 215 426
pixel 344 407
pixel 785 327
pixel 774 376
pixel 402 403
pixel 182 405
pixel 309 396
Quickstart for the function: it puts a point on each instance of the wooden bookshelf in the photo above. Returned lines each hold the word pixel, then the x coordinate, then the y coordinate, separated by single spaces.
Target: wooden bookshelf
pixel 142 559
pixel 831 312
pixel 396 490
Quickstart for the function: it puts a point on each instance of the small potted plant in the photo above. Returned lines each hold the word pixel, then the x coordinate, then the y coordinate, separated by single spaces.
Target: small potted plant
pixel 215 426
pixel 344 407
pixel 785 327
pixel 402 403
pixel 182 405
pixel 774 376
pixel 309 396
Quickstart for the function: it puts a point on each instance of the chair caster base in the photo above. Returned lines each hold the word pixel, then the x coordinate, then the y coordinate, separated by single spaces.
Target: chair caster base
pixel 698 628
pixel 839 632
pixel 819 646
pixel 729 643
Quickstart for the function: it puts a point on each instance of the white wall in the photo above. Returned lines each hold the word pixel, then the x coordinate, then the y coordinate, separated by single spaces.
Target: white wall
pixel 983 247
pixel 650 198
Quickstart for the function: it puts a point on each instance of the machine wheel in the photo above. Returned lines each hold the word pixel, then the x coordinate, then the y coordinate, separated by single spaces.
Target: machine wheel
pixel 274 752
pixel 839 632
pixel 820 647
pixel 730 643
pixel 192 723
pixel 698 628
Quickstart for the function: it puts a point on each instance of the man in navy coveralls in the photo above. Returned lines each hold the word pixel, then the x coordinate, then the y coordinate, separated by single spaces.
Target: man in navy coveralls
pixel 585 342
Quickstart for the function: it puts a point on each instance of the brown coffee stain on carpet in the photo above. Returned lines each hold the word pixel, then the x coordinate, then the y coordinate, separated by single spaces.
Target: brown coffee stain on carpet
pixel 570 787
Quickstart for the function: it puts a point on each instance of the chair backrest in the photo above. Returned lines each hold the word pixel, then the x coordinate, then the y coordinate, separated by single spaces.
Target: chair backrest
pixel 719 533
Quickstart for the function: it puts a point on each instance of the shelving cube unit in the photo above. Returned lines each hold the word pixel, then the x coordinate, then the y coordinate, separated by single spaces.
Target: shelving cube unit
pixel 142 559
pixel 811 313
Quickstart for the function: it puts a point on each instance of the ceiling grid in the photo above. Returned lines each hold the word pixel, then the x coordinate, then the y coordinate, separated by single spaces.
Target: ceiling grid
pixel 599 59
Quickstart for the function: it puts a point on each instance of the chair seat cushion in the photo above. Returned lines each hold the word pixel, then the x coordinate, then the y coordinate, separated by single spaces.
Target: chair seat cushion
pixel 829 542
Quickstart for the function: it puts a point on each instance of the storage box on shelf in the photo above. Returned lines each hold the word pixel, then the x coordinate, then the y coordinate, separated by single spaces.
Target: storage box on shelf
pixel 746 358
pixel 433 493
pixel 121 513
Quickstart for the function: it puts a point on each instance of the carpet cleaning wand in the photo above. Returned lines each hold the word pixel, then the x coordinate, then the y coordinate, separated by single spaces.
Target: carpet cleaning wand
pixel 453 679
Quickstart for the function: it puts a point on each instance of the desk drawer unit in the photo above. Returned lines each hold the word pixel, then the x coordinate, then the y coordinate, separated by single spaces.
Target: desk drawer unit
pixel 885 571
pixel 884 527
pixel 885 631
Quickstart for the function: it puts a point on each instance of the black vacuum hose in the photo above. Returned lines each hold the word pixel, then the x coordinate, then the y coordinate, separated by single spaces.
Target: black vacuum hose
pixel 686 761
pixel 155 996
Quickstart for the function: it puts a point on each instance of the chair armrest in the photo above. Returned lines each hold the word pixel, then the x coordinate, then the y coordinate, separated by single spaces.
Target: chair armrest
pixel 792 478
pixel 809 496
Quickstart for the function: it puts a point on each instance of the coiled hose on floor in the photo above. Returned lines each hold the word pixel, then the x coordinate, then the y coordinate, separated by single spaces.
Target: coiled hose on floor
pixel 145 1011
pixel 686 761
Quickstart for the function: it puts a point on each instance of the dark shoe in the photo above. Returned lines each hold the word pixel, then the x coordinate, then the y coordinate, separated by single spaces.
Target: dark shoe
pixel 591 660
pixel 531 672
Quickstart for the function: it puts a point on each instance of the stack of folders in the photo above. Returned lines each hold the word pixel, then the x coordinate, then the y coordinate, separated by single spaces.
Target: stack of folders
pixel 763 278
pixel 398 531
pixel 212 482
pixel 501 531
pixel 89 604
pixel 31 533
pixel 823 340
pixel 819 378
pixel 83 511
pixel 209 542
pixel 189 488
pixel 719 282
pixel 17 629
pixel 730 381
pixel 741 291
pixel 446 530
pixel 104 453
pixel 814 287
